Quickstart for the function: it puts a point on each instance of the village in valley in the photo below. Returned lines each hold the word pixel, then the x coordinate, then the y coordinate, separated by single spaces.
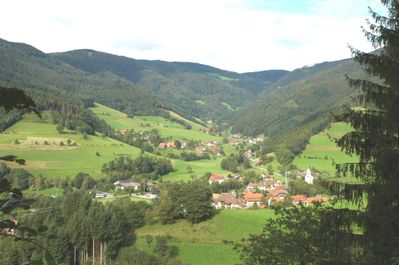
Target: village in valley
pixel 232 190
pixel 269 191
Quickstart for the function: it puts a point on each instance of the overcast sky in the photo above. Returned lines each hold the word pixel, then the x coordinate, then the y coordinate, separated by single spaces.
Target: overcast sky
pixel 236 35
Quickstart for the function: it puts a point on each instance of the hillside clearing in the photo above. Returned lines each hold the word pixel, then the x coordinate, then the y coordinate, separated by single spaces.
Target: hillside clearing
pixel 322 152
pixel 166 128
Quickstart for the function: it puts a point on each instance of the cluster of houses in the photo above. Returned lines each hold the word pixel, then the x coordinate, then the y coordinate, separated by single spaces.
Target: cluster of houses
pixel 262 194
pixel 123 132
pixel 167 145
pixel 205 147
pixel 133 186
pixel 208 147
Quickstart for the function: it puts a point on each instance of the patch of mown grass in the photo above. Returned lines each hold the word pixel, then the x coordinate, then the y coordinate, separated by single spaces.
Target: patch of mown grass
pixel 198 169
pixel 322 152
pixel 166 128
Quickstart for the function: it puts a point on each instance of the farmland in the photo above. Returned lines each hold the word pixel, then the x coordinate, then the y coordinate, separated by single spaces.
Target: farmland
pixel 166 128
pixel 322 152
pixel 46 150
pixel 39 143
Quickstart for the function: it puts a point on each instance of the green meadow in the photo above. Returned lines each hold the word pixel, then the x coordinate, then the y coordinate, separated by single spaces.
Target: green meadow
pixel 203 243
pixel 322 153
pixel 88 155
pixel 167 128
pixel 198 169
pixel 39 144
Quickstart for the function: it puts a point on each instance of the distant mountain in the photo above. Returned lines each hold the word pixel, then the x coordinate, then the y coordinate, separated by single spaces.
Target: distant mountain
pixel 297 99
pixel 24 66
pixel 270 76
pixel 190 88
pixel 270 102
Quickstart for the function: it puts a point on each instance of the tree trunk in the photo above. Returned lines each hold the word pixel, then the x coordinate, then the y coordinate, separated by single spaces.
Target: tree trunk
pixel 105 251
pixel 74 255
pixel 94 249
pixel 87 253
pixel 101 253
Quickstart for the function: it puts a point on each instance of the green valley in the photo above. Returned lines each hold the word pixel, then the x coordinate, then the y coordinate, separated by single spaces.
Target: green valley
pixel 112 160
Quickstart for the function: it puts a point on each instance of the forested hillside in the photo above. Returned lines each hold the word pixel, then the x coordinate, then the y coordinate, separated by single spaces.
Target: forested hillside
pixel 274 102
pixel 24 66
pixel 191 89
pixel 298 99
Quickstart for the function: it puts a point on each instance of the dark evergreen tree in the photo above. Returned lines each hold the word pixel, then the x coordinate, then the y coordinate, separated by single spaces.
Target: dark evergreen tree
pixel 376 137
pixel 303 235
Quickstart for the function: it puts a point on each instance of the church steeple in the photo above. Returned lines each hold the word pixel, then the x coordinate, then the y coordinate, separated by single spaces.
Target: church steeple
pixel 309 177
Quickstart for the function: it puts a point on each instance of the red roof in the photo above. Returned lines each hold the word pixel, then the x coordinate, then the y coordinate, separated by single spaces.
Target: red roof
pixel 277 199
pixel 228 198
pixel 250 196
pixel 215 177
pixel 317 199
pixel 275 192
pixel 167 145
pixel 298 198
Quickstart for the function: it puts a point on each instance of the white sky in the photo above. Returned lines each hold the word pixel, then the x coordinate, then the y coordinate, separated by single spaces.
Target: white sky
pixel 236 35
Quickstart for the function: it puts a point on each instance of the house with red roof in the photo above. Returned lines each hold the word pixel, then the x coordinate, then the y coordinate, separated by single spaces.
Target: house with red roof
pixel 251 198
pixel 226 200
pixel 123 132
pixel 317 199
pixel 167 145
pixel 277 194
pixel 216 178
pixel 127 183
pixel 299 199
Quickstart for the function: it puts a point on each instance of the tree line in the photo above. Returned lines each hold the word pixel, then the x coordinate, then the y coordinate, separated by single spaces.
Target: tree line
pixel 124 167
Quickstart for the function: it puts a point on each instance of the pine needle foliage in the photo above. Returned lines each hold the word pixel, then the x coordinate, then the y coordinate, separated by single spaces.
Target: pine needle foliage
pixel 376 136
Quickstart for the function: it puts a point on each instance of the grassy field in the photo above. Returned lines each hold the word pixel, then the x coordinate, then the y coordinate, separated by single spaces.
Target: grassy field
pixel 199 168
pixel 51 158
pixel 166 128
pixel 321 152
pixel 202 244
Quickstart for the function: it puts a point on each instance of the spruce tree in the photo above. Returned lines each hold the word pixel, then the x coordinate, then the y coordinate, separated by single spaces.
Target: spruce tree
pixel 376 137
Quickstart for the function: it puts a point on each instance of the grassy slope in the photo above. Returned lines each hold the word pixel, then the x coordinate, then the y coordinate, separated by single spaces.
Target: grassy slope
pixel 166 128
pixel 202 244
pixel 53 160
pixel 199 168
pixel 321 152
pixel 195 126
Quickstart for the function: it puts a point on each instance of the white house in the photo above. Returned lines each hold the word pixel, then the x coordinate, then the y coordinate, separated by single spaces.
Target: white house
pixel 309 177
pixel 127 183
